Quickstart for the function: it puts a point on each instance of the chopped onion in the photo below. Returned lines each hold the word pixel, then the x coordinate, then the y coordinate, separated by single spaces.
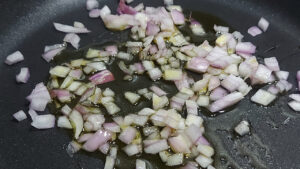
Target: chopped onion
pixel 104 76
pixel 77 123
pixel 175 159
pixel 127 135
pixel 14 58
pixel 282 75
pixel 226 101
pixel 95 13
pixel 109 162
pixel 177 16
pixel 113 127
pixel 273 89
pixel 263 97
pixel 155 73
pixel 156 147
pixel 23 76
pixel 43 121
pixel 204 161
pixel 206 150
pixel 64 122
pixel 272 63
pixel 245 48
pixel 197 64
pixel 132 149
pixel 125 9
pixel 104 148
pixel 92 4
pixel 254 31
pixel 140 164
pixel 263 24
pixel 242 128
pixel 132 97
pixel 218 93
pixel 70 29
pixel 295 97
pixel 221 29
pixel 52 52
pixel 168 2
pixel 179 144
pixel 192 107
pixel 20 115
pixel 295 105
pixel 95 141
pixel 73 39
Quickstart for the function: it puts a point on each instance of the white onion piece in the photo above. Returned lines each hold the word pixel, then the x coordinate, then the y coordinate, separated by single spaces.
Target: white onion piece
pixel 127 135
pixel 113 127
pixel 263 24
pixel 272 63
pixel 44 121
pixel 20 115
pixel 206 150
pixel 132 97
pixel 139 7
pixel 23 76
pixel 104 148
pixel 192 119
pixel 295 97
pixel 283 86
pixel 254 31
pixel 294 105
pixel 192 107
pixel 204 161
pixel 226 101
pixel 118 22
pixel 32 114
pixel 14 58
pixel 203 101
pixel 242 128
pixel 221 29
pixel 262 74
pixel 69 29
pixel 92 4
pixel 156 147
pixel 95 141
pixel 72 148
pixel 193 132
pixel 78 24
pixel 109 162
pixel 146 112
pixel 39 97
pixel 77 122
pixel 63 122
pixel 263 97
pixel 231 83
pixel 155 73
pixel 140 164
pixel 175 159
pixel 237 35
pixel 132 149
pixel 73 39
pixel 214 82
pixel 282 75
pixel 111 108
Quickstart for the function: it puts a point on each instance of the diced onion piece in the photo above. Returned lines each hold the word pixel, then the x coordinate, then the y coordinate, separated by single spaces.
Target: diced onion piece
pixel 146 111
pixel 63 122
pixel 190 165
pixel 104 76
pixel 175 159
pixel 206 150
pixel 44 121
pixel 104 148
pixel 70 29
pixel 95 13
pixel 192 107
pixel 193 132
pixel 193 119
pixel 262 74
pixel 226 101
pixel 173 74
pixel 78 24
pixel 94 142
pixel 218 93
pixel 164 155
pixel 254 31
pixel 77 123
pixel 23 76
pixel 113 151
pixel 67 82
pixel 295 97
pixel 85 137
pixel 282 75
pixel 60 71
pixel 156 147
pixel 204 161
pixel 132 97
pixel 155 73
pixel 109 162
pixel 14 58
pixel 32 114
pixel 20 115
pixel 140 164
pixel 272 63
pixel 159 102
pixel 72 148
pixel 242 128
pixel 295 105
pixel 203 101
pixel 132 149
pixel 168 2
pixel 92 4
pixel 158 91
pixel 113 127
pixel 263 97
pixel 245 48
pixel 108 92
pixel 127 135
pixel 124 56
pixel 73 39
pixel 263 24
pixel 221 29
pixel 197 64
pixel 179 144
pixel 111 108
pixel 177 16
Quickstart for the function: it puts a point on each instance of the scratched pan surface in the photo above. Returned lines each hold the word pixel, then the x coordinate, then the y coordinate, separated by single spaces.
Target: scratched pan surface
pixel 27 26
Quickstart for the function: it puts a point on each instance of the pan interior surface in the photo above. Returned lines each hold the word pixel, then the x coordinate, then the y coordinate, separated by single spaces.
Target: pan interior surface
pixel 27 27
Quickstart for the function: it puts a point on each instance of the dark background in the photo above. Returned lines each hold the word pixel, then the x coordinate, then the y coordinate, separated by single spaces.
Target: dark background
pixel 27 26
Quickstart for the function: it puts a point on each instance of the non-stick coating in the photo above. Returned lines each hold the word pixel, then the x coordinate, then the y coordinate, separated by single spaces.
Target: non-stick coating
pixel 27 26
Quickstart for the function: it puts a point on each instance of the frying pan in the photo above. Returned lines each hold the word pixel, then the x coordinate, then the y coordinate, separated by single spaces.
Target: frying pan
pixel 27 26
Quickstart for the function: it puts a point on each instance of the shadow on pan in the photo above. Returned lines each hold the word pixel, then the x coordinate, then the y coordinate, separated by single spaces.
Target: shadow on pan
pixel 27 26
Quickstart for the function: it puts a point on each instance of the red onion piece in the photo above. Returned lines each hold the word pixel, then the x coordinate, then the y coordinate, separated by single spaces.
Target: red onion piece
pixel 273 89
pixel 283 86
pixel 32 114
pixel 113 127
pixel 44 121
pixel 218 93
pixel 179 144
pixel 104 76
pixel 69 29
pixel 156 147
pixel 263 24
pixel 254 31
pixel 155 73
pixel 262 74
pixel 85 137
pixel 245 48
pixel 92 4
pixel 263 97
pixel 139 68
pixel 13 58
pixel 202 140
pixel 214 82
pixel 112 49
pixel 184 82
pixel 73 39
pixel 23 76
pixel 226 101
pixel 39 97
pixel 272 63
pixel 118 22
pixel 95 13
pixel 128 135
pixel 221 29
pixel 197 64
pixel 62 95
pixel 177 16
pixel 158 91
pixel 95 141
pixel 231 83
pixel 295 97
pixel 193 132
pixel 76 73
pixel 152 28
pixel 20 115
pixel 125 9
pixel 282 75
pixel 190 165
pixel 191 107
pixel 50 54
pixel 104 148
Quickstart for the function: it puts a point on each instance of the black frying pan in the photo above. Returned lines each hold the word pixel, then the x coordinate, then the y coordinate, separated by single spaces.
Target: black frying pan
pixel 27 26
